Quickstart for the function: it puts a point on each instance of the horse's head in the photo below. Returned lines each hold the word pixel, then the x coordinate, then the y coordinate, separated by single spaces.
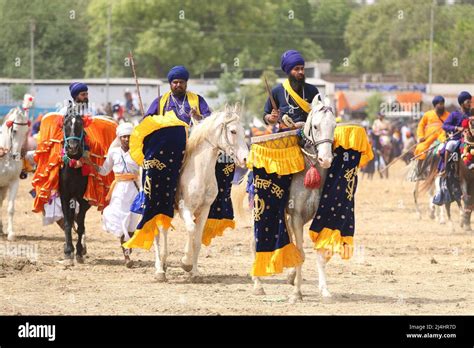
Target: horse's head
pixel 73 128
pixel 14 132
pixel 319 130
pixel 232 138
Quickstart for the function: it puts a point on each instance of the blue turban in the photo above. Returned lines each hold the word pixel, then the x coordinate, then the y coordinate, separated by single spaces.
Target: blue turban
pixel 77 87
pixel 463 96
pixel 290 59
pixel 438 99
pixel 178 72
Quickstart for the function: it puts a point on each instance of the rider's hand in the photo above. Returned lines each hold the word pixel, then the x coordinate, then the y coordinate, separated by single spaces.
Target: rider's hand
pixel 194 114
pixel 273 117
pixel 299 125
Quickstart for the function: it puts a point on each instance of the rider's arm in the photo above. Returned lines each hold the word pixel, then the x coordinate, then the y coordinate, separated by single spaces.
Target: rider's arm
pixel 107 167
pixel 420 131
pixel 450 124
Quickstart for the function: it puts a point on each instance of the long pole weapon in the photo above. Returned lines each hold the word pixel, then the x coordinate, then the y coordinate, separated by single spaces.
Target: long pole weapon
pixel 408 150
pixel 136 83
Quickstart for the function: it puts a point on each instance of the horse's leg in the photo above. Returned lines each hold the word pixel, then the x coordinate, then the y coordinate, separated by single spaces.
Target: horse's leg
pixel 186 260
pixel 3 193
pixel 164 253
pixel 415 197
pixel 321 263
pixel 68 213
pixel 12 191
pixel 198 230
pixel 257 282
pixel 160 274
pixel 447 206
pixel 81 229
pixel 296 227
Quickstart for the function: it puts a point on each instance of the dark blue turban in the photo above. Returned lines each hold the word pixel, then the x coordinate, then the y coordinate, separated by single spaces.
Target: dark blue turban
pixel 438 99
pixel 290 59
pixel 463 96
pixel 178 72
pixel 77 87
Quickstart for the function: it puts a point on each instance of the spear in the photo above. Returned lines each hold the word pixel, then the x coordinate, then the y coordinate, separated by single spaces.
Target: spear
pixel 130 56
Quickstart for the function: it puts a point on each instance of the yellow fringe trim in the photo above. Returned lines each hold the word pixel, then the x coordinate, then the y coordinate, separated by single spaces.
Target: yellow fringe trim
pixel 333 242
pixel 144 237
pixel 282 156
pixel 272 262
pixel 148 126
pixel 214 228
pixel 355 138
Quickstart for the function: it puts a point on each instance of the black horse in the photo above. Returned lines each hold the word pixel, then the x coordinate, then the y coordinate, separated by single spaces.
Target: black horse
pixel 72 186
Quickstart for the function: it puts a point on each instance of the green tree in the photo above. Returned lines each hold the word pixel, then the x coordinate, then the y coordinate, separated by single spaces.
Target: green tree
pixel 330 21
pixel 374 106
pixel 200 34
pixel 60 38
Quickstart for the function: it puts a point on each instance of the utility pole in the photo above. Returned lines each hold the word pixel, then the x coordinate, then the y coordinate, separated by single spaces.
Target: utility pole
pixel 32 60
pixel 430 73
pixel 107 67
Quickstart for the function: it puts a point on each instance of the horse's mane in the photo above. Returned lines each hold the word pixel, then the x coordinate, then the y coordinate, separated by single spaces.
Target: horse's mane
pixel 200 131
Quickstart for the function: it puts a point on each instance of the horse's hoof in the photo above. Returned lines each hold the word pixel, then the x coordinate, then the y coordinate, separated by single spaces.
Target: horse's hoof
pixel 187 268
pixel 296 297
pixel 84 251
pixel 325 293
pixel 165 266
pixel 160 277
pixel 11 237
pixel 259 292
pixel 290 279
pixel 129 263
pixel 79 258
pixel 67 262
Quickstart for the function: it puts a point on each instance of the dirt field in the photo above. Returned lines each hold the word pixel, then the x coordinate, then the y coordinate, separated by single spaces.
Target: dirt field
pixel 402 266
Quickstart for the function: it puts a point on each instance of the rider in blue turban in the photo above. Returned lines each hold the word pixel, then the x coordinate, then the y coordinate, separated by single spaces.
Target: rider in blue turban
pixel 463 96
pixel 77 87
pixel 290 59
pixel 438 99
pixel 178 73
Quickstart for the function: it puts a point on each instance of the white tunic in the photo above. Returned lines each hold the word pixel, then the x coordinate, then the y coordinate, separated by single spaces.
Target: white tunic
pixel 117 217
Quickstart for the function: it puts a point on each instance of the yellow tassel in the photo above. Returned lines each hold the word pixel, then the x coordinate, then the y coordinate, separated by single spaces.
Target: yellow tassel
pixel 272 262
pixel 214 228
pixel 281 156
pixel 144 237
pixel 333 242
pixel 355 138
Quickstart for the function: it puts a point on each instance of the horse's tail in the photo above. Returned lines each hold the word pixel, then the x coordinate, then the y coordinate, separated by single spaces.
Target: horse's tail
pixel 425 186
pixel 239 200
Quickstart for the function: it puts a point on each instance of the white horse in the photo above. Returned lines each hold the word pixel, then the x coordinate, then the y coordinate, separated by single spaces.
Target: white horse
pixel 303 203
pixel 197 187
pixel 12 139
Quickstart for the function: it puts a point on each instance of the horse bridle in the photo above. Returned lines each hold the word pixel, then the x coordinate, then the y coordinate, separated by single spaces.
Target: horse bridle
pixel 17 155
pixel 226 137
pixel 314 143
pixel 80 139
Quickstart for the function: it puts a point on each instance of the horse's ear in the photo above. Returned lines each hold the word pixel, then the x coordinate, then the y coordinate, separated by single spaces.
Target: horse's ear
pixel 237 108
pixel 327 102
pixel 316 104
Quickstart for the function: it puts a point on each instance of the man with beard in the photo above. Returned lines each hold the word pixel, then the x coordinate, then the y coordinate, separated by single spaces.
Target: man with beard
pixel 430 128
pixel 185 104
pixel 80 103
pixel 294 96
pixel 453 126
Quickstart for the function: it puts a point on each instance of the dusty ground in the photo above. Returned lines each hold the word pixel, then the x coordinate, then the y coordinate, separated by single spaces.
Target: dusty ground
pixel 402 266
